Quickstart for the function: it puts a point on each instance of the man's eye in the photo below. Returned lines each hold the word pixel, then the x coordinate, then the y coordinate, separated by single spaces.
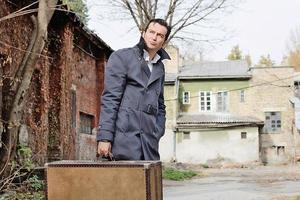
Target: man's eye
pixel 152 32
pixel 161 36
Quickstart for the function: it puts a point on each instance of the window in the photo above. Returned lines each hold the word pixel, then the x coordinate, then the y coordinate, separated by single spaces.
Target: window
pixel 86 123
pixel 280 150
pixel 297 88
pixel 186 98
pixel 296 84
pixel 222 101
pixel 186 135
pixel 272 122
pixel 242 96
pixel 205 101
pixel 243 135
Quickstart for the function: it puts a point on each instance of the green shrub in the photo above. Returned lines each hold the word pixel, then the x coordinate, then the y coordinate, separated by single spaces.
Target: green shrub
pixel 178 175
pixel 25 187
pixel 25 157
pixel 205 166
pixel 35 183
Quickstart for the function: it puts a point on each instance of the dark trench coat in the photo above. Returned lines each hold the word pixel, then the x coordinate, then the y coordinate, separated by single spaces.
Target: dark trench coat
pixel 132 105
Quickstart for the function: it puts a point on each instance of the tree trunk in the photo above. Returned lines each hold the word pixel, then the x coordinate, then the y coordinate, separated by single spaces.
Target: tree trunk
pixel 45 13
pixel 1 102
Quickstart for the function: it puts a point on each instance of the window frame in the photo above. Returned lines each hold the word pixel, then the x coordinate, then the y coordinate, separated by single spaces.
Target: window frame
pixel 205 101
pixel 242 96
pixel 243 135
pixel 296 85
pixel 85 119
pixel 186 135
pixel 183 97
pixel 273 125
pixel 224 101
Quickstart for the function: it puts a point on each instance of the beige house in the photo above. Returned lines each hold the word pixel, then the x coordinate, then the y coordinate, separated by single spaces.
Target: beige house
pixel 270 99
pixel 228 111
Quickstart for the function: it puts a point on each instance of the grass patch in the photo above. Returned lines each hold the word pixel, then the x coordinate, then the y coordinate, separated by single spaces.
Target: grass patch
pixel 178 175
pixel 205 166
pixel 287 198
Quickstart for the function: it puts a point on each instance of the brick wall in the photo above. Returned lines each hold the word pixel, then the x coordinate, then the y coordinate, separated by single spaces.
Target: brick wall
pixel 88 79
pixel 72 63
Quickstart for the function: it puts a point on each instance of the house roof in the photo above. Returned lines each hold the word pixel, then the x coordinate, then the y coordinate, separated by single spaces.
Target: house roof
pixel 216 120
pixel 89 34
pixel 170 78
pixel 222 69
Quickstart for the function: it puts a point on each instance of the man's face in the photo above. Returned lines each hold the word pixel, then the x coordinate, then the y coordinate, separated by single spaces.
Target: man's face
pixel 155 36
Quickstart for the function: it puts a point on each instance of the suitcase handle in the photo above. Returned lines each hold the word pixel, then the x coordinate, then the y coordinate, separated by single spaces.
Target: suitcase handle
pixel 110 157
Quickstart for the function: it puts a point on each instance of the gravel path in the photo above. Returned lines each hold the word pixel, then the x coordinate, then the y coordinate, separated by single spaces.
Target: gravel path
pixel 254 183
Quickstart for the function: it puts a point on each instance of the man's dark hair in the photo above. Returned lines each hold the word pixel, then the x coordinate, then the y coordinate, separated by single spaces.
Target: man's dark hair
pixel 161 22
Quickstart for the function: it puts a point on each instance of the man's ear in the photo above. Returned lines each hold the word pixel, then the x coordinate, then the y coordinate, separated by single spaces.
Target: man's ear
pixel 143 34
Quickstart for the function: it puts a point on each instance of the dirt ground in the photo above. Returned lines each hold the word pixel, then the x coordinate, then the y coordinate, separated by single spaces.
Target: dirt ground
pixel 258 174
pixel 253 182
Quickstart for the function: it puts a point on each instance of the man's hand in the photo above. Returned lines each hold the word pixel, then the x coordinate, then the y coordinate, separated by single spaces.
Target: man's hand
pixel 104 148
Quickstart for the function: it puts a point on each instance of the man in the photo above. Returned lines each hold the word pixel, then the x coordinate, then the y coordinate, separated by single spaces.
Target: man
pixel 132 118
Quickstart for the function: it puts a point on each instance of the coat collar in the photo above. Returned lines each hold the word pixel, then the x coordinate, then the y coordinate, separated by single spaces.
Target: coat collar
pixel 147 57
pixel 157 71
pixel 142 45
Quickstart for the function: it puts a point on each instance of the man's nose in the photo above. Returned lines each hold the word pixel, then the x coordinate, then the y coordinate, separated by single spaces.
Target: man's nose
pixel 154 36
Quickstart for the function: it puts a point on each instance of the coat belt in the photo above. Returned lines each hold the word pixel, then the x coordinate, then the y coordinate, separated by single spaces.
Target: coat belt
pixel 149 109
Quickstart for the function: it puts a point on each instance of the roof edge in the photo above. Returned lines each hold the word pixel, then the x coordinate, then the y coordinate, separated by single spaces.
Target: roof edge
pixel 216 125
pixel 216 77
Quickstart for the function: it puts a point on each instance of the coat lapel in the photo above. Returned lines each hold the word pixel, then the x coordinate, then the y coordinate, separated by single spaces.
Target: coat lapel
pixel 146 68
pixel 158 69
pixel 157 72
pixel 144 71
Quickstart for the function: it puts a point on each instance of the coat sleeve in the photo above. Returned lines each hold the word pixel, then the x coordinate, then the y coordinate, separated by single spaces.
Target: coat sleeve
pixel 114 85
pixel 161 116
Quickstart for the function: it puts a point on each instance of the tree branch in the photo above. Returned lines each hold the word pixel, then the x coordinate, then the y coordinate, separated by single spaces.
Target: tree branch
pixel 155 8
pixel 171 10
pixel 184 17
pixel 204 16
pixel 145 10
pixel 185 22
pixel 128 6
pixel 20 71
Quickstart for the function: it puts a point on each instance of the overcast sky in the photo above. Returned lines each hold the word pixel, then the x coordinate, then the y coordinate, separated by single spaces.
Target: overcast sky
pixel 260 27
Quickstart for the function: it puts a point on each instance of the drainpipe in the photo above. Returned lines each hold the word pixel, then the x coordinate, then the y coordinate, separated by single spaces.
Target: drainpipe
pixel 175 115
pixel 174 159
pixel 296 122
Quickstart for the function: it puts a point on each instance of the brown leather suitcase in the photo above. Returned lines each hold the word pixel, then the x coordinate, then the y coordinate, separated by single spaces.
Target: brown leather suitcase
pixel 93 180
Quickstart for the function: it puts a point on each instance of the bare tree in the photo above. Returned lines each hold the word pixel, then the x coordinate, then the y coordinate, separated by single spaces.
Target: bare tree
pixel 23 77
pixel 293 45
pixel 186 17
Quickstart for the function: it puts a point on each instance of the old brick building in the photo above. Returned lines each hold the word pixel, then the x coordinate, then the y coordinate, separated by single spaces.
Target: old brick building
pixel 62 105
